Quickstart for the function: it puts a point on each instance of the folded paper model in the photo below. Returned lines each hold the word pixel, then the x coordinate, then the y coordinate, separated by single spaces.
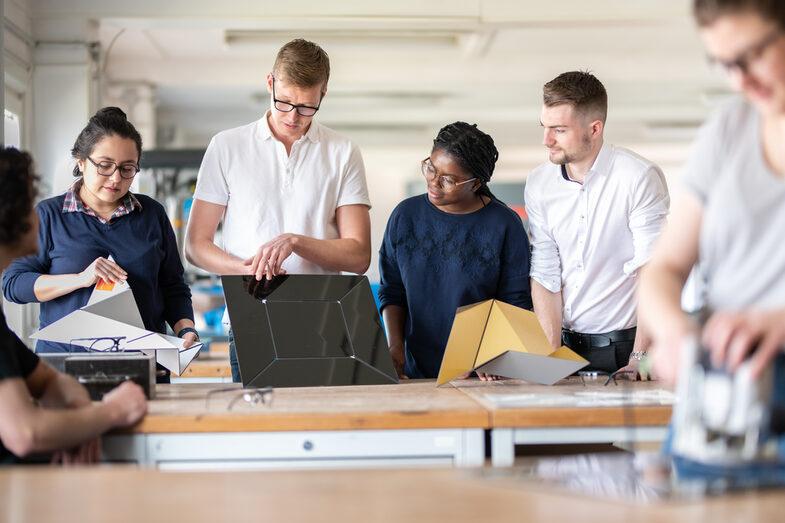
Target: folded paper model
pixel 498 338
pixel 111 321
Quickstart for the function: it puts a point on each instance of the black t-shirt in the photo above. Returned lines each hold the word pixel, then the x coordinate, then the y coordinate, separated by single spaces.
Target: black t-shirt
pixel 16 361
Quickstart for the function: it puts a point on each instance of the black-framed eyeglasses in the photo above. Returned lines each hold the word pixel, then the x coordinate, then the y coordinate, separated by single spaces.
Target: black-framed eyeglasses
pixel 445 182
pixel 107 168
pixel 596 375
pixel 251 397
pixel 302 110
pixel 746 59
pixel 102 343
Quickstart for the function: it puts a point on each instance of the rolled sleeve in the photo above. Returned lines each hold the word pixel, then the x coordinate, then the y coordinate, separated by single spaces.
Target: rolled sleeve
pixel 647 217
pixel 545 261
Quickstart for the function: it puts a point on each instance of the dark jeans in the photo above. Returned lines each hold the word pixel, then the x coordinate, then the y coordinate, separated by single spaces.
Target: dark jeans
pixel 233 363
pixel 606 352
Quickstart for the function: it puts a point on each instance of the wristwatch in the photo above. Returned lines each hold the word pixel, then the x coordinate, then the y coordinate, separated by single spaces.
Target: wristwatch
pixel 185 330
pixel 638 354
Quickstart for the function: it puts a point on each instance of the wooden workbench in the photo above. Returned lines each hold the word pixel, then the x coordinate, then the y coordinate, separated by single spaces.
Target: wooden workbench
pixel 566 424
pixel 107 494
pixel 410 422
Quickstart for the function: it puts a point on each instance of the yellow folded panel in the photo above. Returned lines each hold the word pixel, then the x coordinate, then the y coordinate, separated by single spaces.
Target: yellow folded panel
pixel 465 338
pixel 496 336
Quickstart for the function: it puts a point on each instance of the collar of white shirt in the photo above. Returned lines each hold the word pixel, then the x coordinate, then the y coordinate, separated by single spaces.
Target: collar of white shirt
pixel 602 164
pixel 264 132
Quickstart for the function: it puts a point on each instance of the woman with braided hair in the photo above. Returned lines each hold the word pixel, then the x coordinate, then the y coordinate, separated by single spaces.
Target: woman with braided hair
pixel 455 245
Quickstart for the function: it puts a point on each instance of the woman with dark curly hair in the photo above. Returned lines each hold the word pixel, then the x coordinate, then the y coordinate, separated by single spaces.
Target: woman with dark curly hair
pixel 62 420
pixel 453 246
pixel 98 230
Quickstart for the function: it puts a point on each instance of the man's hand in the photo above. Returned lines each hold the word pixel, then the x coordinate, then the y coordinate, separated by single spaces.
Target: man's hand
pixel 128 403
pixel 270 257
pixel 633 371
pixel 190 338
pixel 102 269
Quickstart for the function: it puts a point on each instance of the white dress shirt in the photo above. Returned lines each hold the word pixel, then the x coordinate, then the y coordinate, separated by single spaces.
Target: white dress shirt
pixel 267 193
pixel 590 239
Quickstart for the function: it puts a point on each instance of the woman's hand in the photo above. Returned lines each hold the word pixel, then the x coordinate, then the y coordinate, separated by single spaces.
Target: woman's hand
pixel 731 336
pixel 398 354
pixel 102 269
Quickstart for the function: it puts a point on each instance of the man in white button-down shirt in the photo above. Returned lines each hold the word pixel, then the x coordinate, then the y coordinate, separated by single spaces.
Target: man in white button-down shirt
pixel 291 192
pixel 594 213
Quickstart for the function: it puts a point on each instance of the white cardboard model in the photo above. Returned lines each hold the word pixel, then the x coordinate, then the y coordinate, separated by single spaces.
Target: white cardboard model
pixel 502 339
pixel 111 312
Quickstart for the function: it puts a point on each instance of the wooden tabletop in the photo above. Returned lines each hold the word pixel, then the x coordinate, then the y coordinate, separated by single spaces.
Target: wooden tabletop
pixel 209 365
pixel 412 404
pixel 107 494
pixel 558 416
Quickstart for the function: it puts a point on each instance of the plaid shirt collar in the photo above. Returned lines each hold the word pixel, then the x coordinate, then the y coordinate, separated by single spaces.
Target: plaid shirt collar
pixel 73 203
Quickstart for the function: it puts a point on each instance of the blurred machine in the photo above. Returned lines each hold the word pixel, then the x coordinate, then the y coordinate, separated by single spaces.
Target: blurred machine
pixel 724 419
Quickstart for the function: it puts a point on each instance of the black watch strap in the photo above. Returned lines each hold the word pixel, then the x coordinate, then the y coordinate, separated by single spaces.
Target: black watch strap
pixel 185 330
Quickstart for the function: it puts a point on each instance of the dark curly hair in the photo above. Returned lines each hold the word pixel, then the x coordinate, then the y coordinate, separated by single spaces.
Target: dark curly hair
pixel 109 121
pixel 474 151
pixel 17 192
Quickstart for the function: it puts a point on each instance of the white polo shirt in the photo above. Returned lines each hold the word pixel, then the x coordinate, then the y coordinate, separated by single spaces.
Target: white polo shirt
pixel 590 239
pixel 267 193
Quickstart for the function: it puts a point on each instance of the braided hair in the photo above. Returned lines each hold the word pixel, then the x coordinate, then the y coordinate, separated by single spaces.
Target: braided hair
pixel 472 149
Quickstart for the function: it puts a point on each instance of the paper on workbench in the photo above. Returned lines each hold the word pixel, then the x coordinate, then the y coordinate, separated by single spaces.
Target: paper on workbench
pixel 585 399
pixel 111 312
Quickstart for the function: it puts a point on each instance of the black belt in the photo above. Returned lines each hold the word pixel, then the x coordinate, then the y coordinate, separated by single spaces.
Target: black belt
pixel 579 340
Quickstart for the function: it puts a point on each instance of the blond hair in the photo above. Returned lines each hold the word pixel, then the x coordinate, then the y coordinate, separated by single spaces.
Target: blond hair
pixel 302 64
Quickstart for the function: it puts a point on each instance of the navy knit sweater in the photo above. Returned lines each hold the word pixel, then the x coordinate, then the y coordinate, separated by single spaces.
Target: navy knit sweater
pixel 141 242
pixel 432 262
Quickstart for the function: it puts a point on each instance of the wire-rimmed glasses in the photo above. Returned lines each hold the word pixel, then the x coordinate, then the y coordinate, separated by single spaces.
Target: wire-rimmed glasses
pixel 302 110
pixel 592 376
pixel 101 343
pixel 108 168
pixel 744 62
pixel 251 397
pixel 445 182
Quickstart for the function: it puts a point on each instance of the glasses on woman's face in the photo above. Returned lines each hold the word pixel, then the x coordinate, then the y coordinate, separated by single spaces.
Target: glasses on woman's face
pixel 107 168
pixel 302 110
pixel 448 183
pixel 747 59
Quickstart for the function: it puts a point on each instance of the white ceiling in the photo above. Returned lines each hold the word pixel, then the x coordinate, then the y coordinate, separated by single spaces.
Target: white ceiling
pixel 402 69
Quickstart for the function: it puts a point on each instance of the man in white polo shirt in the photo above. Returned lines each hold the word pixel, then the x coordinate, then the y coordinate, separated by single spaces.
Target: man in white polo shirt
pixel 594 213
pixel 291 192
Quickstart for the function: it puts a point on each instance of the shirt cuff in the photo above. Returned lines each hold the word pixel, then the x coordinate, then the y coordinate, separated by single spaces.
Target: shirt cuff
pixel 552 284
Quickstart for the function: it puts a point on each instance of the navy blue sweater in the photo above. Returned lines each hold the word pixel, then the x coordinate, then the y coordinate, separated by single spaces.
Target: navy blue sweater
pixel 432 262
pixel 141 242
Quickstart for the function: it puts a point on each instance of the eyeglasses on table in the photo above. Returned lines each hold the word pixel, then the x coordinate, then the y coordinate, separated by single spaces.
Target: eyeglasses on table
pixel 251 397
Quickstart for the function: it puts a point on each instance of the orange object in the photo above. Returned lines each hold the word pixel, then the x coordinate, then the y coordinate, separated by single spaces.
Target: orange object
pixel 104 286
